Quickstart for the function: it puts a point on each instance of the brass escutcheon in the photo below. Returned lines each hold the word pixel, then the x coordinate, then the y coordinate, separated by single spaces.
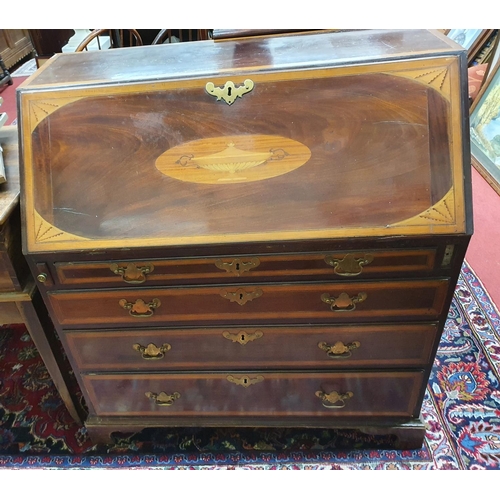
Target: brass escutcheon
pixel 243 337
pixel 163 399
pixel 343 303
pixel 139 308
pixel 339 349
pixel 131 273
pixel 448 254
pixel 237 266
pixel 333 399
pixel 350 264
pixel 151 351
pixel 245 381
pixel 230 92
pixel 241 296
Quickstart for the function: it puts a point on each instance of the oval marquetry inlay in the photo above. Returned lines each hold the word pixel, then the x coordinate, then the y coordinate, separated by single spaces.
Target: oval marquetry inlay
pixel 233 159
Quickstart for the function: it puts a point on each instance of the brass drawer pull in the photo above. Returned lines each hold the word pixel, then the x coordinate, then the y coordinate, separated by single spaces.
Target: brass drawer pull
pixel 237 266
pixel 339 349
pixel 343 303
pixel 350 265
pixel 245 381
pixel 152 351
pixel 243 337
pixel 139 309
pixel 230 92
pixel 163 399
pixel 334 399
pixel 131 273
pixel 241 296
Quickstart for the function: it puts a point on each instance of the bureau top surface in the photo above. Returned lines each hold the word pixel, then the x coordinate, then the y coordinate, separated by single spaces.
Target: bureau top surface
pixel 209 58
pixel 306 137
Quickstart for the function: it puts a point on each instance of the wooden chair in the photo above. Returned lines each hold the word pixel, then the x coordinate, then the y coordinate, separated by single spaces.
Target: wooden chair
pixel 116 39
pixel 171 36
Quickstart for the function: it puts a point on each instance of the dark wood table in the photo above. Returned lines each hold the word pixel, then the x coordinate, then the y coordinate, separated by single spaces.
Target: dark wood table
pixel 20 301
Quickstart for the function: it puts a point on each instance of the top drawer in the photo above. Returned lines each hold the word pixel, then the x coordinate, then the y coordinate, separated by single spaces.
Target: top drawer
pixel 250 268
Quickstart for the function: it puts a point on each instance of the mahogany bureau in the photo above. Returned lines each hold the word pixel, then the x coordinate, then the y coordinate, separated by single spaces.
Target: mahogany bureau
pixel 263 231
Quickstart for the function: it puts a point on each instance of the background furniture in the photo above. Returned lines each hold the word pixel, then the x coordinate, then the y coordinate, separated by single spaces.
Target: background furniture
pixel 48 42
pixel 179 35
pixel 14 45
pixel 113 38
pixel 5 77
pixel 263 236
pixel 20 301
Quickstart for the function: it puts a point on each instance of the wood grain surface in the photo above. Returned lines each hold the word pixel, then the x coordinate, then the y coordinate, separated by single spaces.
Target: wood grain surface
pixel 278 347
pixel 176 60
pixel 369 167
pixel 278 394
pixel 294 303
pixel 284 267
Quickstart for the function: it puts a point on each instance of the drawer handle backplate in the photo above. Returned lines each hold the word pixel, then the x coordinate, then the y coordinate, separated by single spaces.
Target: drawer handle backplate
pixel 243 337
pixel 350 264
pixel 230 92
pixel 339 349
pixel 343 303
pixel 151 351
pixel 163 399
pixel 237 266
pixel 333 399
pixel 139 308
pixel 245 381
pixel 131 273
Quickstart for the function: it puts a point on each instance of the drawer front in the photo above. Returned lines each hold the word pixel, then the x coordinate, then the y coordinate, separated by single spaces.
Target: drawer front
pixel 253 348
pixel 256 394
pixel 309 303
pixel 246 269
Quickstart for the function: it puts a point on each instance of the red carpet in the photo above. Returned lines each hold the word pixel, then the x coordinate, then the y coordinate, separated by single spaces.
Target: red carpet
pixel 8 92
pixel 483 255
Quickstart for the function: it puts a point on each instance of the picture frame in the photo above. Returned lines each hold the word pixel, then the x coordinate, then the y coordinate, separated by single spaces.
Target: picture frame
pixel 485 130
pixel 494 58
pixel 471 39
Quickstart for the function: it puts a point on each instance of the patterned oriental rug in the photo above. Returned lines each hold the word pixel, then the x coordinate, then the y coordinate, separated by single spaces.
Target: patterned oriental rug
pixel 461 410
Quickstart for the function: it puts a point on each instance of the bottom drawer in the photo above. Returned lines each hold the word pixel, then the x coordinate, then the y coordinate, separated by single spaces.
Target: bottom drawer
pixel 258 394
